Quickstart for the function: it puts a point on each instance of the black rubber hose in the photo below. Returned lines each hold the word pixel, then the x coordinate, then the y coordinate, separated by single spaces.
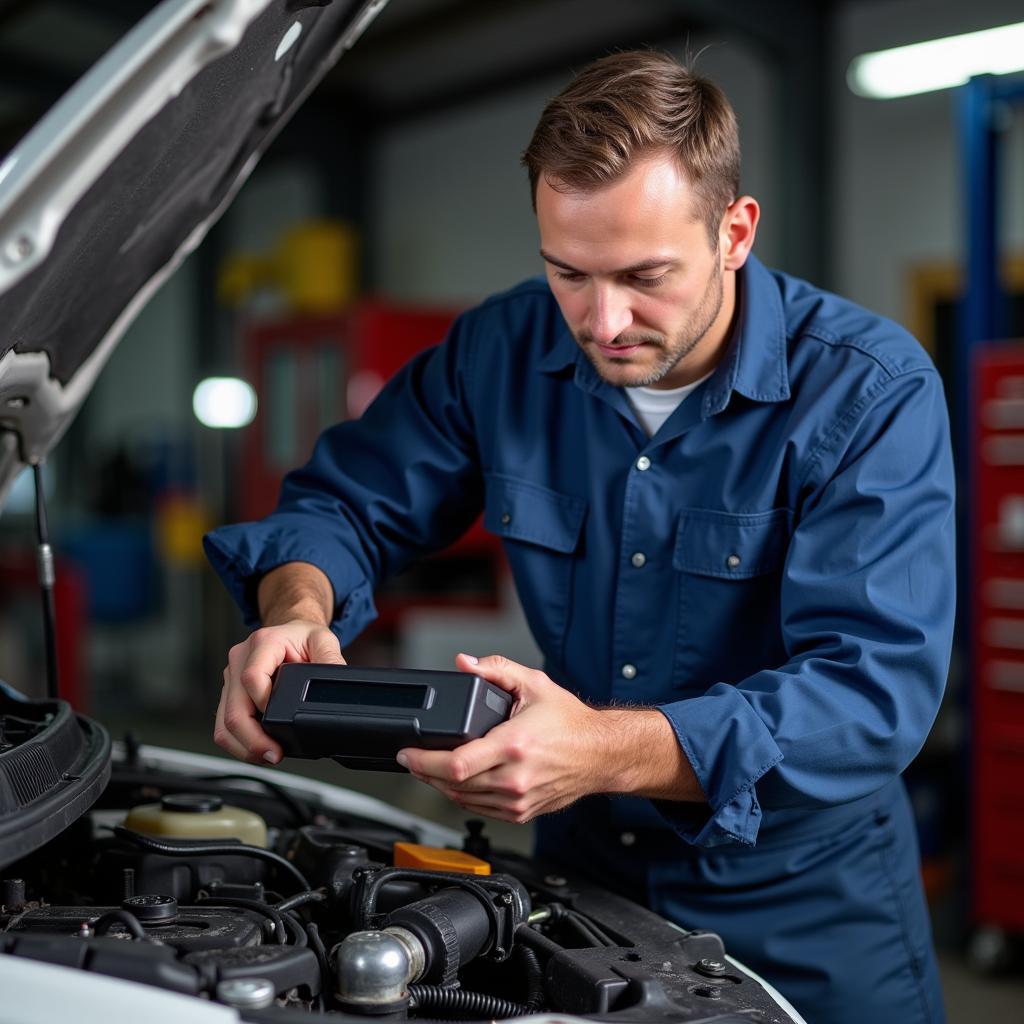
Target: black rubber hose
pixel 529 936
pixel 593 927
pixel 294 925
pixel 280 932
pixel 583 929
pixel 171 849
pixel 300 814
pixel 320 950
pixel 534 978
pixel 102 924
pixel 473 1005
pixel 300 899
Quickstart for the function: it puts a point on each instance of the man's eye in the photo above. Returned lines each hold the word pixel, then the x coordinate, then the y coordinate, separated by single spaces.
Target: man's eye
pixel 563 275
pixel 649 282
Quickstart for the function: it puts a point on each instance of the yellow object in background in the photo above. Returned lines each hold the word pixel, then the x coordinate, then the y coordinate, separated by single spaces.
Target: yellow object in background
pixel 316 266
pixel 181 521
pixel 313 266
pixel 433 858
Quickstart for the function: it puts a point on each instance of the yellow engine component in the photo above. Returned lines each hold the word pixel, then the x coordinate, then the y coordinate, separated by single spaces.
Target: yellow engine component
pixel 433 858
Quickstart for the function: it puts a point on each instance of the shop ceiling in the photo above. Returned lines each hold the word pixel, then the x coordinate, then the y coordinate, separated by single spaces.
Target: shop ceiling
pixel 426 56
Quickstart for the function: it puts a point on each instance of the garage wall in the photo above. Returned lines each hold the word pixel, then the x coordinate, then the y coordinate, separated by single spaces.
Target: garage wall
pixel 897 162
pixel 451 219
pixel 147 384
pixel 145 391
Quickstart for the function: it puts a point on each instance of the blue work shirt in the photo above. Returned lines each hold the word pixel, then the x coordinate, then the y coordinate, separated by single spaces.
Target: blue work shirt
pixel 773 569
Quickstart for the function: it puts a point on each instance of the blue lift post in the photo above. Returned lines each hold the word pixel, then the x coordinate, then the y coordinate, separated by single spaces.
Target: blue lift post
pixel 984 104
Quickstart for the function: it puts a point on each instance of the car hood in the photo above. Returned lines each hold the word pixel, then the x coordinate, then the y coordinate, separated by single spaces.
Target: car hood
pixel 99 204
pixel 121 180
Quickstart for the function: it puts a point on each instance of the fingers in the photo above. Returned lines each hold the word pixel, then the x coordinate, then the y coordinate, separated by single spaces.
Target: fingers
pixel 248 680
pixel 502 806
pixel 455 766
pixel 324 648
pixel 253 662
pixel 222 737
pixel 237 730
pixel 516 679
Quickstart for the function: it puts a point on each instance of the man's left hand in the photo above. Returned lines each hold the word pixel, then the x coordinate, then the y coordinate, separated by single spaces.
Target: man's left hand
pixel 552 751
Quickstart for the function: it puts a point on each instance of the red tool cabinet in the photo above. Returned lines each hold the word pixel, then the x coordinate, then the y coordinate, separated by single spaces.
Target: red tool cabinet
pixel 312 371
pixel 998 649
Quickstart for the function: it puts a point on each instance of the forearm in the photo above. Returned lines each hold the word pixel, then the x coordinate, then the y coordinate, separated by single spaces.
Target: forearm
pixel 637 753
pixel 295 590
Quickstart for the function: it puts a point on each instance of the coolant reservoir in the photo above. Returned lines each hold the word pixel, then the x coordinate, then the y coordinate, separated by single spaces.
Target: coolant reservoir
pixel 197 816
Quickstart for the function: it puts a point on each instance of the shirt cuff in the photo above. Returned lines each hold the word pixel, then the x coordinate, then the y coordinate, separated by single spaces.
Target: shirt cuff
pixel 244 552
pixel 729 748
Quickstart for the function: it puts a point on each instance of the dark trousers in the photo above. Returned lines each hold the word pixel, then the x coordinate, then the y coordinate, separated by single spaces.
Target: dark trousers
pixel 836 921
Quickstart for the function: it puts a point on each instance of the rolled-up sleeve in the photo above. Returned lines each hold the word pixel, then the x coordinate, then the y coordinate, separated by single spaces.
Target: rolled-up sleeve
pixel 377 492
pixel 867 608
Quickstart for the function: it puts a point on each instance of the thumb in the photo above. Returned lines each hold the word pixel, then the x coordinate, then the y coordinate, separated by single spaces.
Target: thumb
pixel 512 677
pixel 325 648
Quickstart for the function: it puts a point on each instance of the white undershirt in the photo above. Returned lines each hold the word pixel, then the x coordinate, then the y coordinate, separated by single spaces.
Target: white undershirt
pixel 654 405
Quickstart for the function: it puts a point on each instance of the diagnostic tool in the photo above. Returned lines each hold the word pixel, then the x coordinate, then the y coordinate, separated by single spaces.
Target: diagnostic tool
pixel 362 717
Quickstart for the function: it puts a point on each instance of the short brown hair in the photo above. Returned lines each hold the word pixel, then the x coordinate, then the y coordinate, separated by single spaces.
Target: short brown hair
pixel 630 105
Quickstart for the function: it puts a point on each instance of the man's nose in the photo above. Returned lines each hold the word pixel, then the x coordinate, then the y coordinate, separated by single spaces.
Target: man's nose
pixel 609 314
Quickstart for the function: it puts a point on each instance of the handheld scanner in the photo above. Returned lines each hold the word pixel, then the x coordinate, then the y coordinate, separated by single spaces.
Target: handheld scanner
pixel 362 717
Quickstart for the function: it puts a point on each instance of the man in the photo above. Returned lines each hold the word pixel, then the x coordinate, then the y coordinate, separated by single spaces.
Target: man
pixel 726 499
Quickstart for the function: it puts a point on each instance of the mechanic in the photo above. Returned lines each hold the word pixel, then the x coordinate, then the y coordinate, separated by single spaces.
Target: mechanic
pixel 726 497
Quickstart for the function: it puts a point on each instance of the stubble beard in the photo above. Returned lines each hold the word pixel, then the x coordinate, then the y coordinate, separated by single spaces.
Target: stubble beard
pixel 672 352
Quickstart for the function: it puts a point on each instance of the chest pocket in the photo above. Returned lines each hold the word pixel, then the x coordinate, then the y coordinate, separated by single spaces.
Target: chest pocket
pixel 729 571
pixel 541 530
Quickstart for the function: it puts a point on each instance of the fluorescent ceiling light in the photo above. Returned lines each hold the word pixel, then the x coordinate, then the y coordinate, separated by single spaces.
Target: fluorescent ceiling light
pixel 938 63
pixel 224 402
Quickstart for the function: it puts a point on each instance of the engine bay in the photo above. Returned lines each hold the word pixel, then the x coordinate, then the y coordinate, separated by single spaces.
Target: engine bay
pixel 230 887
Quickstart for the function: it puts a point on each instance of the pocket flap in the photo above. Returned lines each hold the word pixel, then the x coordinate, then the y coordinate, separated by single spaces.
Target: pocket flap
pixel 729 545
pixel 519 510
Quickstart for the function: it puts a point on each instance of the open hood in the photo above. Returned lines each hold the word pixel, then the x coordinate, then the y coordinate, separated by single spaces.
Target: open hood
pixel 121 180
pixel 99 204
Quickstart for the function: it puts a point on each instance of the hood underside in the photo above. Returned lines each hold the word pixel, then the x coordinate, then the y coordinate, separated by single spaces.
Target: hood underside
pixel 109 193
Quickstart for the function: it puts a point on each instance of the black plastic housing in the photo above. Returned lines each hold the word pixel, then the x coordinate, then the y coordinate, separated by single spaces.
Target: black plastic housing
pixel 50 778
pixel 362 717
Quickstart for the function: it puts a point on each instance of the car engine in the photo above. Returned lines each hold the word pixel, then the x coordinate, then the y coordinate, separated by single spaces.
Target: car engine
pixel 233 888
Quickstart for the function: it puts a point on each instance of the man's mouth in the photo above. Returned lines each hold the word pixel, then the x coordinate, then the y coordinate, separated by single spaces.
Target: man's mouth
pixel 619 351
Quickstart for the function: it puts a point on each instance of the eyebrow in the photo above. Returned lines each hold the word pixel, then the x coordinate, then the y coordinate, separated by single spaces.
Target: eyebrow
pixel 636 268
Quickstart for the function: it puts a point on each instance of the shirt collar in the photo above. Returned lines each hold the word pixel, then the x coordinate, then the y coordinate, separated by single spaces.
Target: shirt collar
pixel 754 363
pixel 563 351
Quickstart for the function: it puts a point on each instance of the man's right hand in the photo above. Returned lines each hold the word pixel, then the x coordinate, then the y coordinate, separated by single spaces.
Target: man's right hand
pixel 295 602
pixel 247 682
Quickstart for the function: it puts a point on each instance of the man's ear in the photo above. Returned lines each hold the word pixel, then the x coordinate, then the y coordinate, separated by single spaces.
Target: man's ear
pixel 739 226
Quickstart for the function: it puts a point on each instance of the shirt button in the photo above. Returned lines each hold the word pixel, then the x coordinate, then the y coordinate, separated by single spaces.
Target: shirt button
pixel 733 561
pixel 506 518
pixel 627 839
pixel 639 560
pixel 628 671
pixel 643 463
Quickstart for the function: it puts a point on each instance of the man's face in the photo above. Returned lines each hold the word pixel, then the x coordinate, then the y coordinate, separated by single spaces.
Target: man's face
pixel 639 282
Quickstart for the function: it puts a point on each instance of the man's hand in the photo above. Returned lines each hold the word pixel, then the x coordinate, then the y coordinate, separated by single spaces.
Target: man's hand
pixel 295 606
pixel 554 750
pixel 247 682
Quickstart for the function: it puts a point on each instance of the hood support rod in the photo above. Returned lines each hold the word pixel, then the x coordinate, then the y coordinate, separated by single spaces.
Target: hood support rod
pixel 47 576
